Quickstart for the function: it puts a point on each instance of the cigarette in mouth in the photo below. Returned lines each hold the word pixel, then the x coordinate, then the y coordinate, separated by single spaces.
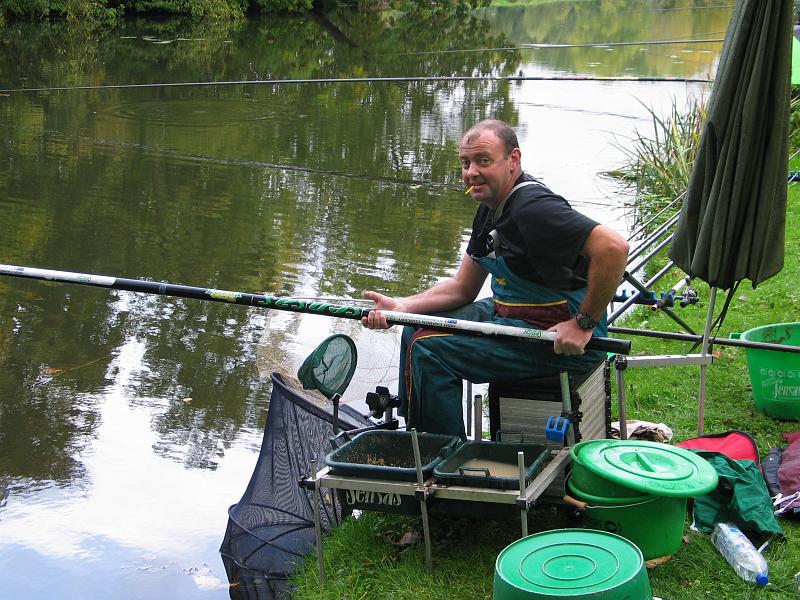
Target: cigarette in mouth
pixel 469 189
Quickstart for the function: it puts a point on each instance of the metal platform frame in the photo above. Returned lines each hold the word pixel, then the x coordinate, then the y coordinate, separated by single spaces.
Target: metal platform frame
pixel 425 490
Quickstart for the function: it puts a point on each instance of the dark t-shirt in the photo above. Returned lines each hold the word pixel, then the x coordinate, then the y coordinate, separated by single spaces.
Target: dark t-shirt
pixel 539 234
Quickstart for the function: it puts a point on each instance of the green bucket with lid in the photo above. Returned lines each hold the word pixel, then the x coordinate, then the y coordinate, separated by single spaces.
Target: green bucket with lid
pixel 571 563
pixel 659 478
pixel 653 523
pixel 774 375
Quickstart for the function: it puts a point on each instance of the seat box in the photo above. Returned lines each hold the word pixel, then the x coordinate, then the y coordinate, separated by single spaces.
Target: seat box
pixel 518 411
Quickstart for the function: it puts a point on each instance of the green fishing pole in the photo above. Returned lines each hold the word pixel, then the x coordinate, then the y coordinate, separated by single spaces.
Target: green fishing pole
pixel 300 305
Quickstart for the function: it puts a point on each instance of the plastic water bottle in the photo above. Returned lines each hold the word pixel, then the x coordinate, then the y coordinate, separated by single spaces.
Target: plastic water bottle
pixel 748 562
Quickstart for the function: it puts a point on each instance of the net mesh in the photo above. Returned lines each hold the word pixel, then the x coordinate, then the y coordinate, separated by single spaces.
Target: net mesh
pixel 330 367
pixel 271 528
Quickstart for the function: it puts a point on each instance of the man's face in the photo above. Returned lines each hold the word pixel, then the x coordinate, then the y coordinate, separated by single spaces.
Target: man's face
pixel 486 168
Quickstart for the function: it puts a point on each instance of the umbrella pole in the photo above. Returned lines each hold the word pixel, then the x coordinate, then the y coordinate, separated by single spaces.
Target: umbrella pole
pixel 701 405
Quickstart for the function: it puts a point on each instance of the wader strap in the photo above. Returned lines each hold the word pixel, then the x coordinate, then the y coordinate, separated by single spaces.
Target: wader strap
pixel 499 210
pixel 493 234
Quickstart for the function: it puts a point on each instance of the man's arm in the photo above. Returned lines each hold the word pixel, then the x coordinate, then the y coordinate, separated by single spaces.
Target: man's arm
pixel 608 254
pixel 455 292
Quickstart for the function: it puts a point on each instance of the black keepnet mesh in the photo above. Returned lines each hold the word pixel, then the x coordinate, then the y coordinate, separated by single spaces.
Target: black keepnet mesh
pixel 271 528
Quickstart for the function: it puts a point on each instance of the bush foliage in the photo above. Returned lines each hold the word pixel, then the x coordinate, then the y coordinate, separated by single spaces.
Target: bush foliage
pixel 294 6
pixel 110 10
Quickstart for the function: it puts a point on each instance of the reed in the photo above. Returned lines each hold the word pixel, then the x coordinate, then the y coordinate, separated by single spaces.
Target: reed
pixel 659 163
pixel 794 121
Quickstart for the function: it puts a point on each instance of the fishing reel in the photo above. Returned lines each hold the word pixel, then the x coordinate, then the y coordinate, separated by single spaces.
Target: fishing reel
pixel 685 298
pixel 690 296
pixel 379 402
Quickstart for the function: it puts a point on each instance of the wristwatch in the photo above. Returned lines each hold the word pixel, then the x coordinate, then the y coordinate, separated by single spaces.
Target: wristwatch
pixel 585 321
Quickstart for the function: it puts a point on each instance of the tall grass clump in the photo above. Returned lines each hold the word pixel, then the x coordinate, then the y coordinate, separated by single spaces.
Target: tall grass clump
pixel 659 163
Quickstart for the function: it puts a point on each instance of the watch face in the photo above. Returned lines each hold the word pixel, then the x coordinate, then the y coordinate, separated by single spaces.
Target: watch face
pixel 585 321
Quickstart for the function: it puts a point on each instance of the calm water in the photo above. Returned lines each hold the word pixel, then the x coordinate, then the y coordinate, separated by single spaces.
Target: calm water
pixel 129 423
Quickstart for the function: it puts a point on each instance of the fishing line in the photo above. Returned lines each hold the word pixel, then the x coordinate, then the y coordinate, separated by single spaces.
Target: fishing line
pixel 582 111
pixel 542 46
pixel 700 35
pixel 694 8
pixel 256 164
pixel 432 79
pixel 611 44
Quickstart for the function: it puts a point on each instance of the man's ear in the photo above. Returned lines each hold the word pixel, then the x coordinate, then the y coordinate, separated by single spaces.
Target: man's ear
pixel 516 158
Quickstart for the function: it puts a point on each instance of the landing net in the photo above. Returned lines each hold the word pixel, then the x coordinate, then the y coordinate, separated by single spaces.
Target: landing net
pixel 271 528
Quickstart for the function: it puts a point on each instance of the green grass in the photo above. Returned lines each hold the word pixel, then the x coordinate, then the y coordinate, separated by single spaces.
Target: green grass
pixel 363 558
pixel 364 561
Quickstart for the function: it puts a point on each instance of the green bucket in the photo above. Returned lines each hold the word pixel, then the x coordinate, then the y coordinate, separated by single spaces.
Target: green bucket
pixel 653 523
pixel 774 375
pixel 571 563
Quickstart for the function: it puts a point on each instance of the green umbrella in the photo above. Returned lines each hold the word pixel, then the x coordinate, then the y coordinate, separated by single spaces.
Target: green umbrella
pixel 732 222
pixel 733 218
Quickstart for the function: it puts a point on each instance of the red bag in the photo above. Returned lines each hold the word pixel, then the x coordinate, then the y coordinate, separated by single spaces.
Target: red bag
pixel 736 444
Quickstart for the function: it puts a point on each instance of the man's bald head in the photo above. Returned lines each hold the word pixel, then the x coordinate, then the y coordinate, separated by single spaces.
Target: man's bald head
pixel 501 130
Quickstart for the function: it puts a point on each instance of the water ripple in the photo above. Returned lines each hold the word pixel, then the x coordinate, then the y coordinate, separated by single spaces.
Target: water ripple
pixel 193 112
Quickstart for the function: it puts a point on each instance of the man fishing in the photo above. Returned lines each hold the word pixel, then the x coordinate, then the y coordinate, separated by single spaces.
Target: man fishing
pixel 551 268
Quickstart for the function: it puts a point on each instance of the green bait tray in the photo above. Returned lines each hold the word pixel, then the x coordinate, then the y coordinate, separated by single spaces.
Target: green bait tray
pixel 390 455
pixel 485 455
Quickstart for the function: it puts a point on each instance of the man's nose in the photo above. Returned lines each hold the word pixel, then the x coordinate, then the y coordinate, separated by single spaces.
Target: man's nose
pixel 471 171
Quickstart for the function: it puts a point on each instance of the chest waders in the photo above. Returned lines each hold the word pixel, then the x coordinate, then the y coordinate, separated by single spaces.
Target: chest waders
pixel 433 364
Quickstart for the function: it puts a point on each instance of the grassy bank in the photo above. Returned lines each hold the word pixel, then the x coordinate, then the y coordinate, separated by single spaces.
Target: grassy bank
pixel 365 558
